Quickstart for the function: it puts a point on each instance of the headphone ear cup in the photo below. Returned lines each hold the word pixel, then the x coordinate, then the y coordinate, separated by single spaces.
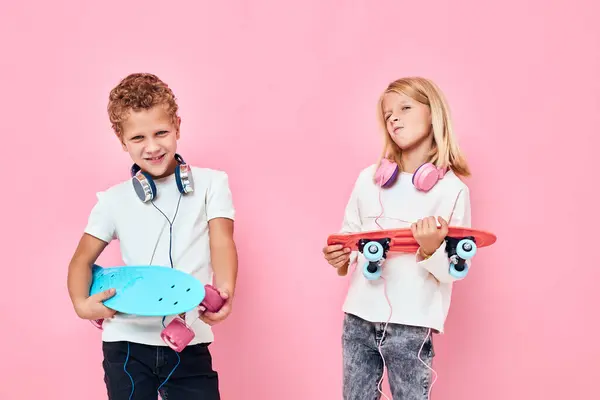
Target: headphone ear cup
pixel 144 186
pixel 184 179
pixel 426 176
pixel 386 173
pixel 178 179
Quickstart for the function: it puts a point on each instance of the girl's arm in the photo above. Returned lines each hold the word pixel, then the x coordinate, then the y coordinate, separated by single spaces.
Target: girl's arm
pixel 438 264
pixel 351 224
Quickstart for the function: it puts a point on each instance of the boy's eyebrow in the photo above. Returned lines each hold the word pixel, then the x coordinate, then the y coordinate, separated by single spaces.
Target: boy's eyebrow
pixel 155 130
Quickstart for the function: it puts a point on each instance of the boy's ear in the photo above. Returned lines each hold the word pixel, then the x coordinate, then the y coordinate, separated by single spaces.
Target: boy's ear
pixel 123 145
pixel 178 127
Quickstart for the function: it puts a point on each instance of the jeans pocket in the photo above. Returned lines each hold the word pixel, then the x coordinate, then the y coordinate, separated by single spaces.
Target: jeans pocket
pixel 428 348
pixel 114 352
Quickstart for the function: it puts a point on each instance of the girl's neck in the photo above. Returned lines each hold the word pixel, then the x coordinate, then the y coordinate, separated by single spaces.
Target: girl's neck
pixel 415 157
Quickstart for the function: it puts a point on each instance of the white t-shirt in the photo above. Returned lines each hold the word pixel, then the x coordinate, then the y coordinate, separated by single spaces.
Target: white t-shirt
pixel 143 235
pixel 419 291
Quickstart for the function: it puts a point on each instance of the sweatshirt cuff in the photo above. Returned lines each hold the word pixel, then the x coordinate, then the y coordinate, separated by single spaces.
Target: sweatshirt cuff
pixel 438 264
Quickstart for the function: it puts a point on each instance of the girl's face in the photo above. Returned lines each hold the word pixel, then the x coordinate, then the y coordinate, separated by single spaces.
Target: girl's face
pixel 408 122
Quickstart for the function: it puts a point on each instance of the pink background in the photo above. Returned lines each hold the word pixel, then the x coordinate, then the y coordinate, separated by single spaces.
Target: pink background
pixel 283 94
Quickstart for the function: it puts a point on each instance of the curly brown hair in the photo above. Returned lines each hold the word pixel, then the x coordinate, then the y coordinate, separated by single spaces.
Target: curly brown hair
pixel 139 91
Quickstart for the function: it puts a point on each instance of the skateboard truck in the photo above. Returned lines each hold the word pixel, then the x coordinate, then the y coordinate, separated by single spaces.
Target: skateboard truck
pixel 461 244
pixel 459 251
pixel 375 251
pixel 97 323
pixel 177 335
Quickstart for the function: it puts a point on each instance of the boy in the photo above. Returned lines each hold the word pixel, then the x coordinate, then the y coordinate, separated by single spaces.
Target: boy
pixel 190 231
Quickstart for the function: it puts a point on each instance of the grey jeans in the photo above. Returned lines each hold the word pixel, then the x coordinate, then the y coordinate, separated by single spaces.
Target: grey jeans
pixel 408 377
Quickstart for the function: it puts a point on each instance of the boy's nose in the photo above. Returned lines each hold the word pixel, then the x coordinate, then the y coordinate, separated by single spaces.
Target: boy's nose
pixel 152 147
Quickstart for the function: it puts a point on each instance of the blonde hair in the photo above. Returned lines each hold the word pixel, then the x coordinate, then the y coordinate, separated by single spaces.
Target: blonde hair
pixel 445 151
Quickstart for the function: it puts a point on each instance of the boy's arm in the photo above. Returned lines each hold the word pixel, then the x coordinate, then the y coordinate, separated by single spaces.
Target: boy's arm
pixel 220 214
pixel 100 230
pixel 79 278
pixel 223 254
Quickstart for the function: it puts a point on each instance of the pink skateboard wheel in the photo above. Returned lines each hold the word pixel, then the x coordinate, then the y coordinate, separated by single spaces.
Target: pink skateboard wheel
pixel 212 299
pixel 177 334
pixel 97 323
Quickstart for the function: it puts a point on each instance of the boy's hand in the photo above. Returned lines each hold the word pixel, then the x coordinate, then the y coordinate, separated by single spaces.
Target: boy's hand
pixel 336 255
pixel 214 318
pixel 428 235
pixel 92 308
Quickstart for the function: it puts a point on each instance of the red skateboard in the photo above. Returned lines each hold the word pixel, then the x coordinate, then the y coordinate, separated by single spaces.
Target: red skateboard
pixel 461 245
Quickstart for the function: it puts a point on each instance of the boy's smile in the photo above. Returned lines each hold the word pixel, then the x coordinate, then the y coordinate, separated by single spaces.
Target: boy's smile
pixel 156 160
pixel 150 137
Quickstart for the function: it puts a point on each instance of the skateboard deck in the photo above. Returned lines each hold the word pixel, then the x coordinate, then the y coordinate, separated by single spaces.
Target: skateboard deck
pixel 148 290
pixel 402 240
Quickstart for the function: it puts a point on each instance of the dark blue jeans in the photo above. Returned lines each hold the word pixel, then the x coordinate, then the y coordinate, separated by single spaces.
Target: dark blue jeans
pixel 409 377
pixel 149 366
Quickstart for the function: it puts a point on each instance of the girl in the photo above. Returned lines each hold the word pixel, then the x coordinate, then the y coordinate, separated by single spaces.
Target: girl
pixel 389 314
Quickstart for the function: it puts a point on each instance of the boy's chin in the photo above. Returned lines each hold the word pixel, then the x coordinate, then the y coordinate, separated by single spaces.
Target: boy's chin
pixel 157 171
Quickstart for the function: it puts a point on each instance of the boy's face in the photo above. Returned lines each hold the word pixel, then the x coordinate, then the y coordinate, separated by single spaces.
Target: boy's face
pixel 150 137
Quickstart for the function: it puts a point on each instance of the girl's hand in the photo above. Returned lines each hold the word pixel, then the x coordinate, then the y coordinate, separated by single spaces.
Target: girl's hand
pixel 336 256
pixel 428 235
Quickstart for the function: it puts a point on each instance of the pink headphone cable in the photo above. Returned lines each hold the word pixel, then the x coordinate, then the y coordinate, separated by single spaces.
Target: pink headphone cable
pixel 379 388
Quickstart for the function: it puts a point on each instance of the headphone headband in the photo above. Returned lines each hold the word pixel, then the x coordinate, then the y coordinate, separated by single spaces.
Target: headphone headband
pixel 144 185
pixel 424 177
pixel 136 168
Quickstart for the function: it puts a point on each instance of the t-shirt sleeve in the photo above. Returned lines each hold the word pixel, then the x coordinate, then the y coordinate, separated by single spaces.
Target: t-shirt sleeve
pixel 352 222
pixel 219 201
pixel 100 222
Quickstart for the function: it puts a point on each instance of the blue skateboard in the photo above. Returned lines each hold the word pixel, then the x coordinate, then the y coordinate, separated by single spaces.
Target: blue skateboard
pixel 148 290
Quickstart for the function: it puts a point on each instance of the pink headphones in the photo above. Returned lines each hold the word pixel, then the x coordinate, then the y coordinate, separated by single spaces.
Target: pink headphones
pixel 424 178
